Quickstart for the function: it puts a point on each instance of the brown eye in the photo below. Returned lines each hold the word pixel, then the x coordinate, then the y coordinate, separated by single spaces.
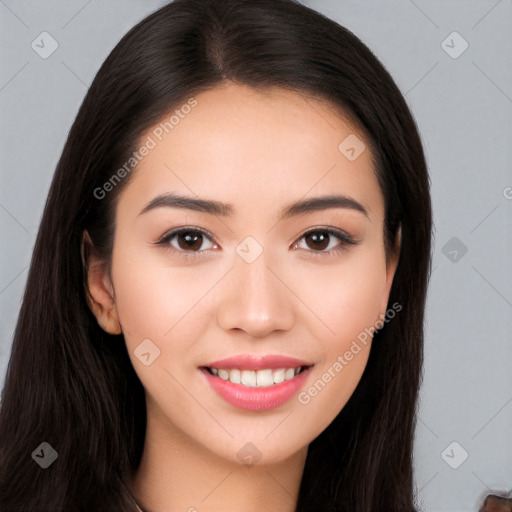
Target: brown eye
pixel 190 240
pixel 325 241
pixel 317 240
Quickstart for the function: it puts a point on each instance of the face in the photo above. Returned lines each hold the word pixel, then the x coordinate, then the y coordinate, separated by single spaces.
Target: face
pixel 265 274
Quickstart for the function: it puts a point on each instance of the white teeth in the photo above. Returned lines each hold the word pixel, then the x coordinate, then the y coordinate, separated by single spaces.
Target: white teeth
pixel 256 378
pixel 248 378
pixel 264 378
pixel 234 376
pixel 289 373
pixel 278 375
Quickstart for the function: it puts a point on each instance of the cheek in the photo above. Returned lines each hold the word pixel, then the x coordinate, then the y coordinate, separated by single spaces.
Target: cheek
pixel 355 301
pixel 156 301
pixel 345 297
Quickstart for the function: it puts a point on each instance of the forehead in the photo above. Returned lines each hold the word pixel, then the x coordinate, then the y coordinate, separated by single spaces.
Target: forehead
pixel 242 146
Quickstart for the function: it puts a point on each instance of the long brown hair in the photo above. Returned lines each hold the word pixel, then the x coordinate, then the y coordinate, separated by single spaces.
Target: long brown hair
pixel 72 385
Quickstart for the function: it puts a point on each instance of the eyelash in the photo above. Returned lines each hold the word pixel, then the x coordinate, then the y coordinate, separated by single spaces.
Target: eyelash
pixel 342 236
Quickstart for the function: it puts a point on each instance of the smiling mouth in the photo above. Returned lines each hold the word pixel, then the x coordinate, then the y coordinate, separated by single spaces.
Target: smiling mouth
pixel 263 378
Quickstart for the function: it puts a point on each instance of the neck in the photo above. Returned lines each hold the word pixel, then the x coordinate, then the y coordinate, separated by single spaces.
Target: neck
pixel 176 473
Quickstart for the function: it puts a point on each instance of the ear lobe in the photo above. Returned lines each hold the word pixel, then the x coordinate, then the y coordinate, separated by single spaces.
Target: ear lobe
pixel 98 287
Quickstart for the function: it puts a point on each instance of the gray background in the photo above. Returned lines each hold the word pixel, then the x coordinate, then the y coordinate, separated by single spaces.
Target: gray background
pixel 463 107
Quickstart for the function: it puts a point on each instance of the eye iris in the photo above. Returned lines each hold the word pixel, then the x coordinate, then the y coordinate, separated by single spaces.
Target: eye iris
pixel 193 240
pixel 318 237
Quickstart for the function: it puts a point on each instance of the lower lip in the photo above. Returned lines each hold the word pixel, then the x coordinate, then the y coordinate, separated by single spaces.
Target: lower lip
pixel 259 399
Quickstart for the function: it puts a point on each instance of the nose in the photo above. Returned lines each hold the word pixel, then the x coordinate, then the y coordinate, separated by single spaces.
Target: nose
pixel 255 299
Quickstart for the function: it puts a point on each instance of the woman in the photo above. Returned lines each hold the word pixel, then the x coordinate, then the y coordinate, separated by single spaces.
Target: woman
pixel 224 309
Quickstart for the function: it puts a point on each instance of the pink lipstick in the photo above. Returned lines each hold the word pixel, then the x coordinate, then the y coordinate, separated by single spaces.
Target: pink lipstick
pixel 257 383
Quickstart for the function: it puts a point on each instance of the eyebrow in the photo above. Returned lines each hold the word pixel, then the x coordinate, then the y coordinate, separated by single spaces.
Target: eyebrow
pixel 301 207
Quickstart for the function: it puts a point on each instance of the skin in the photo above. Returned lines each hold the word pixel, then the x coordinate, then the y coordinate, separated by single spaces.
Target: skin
pixel 258 151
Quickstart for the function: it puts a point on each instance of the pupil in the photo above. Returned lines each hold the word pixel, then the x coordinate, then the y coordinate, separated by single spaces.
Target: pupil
pixel 192 241
pixel 322 239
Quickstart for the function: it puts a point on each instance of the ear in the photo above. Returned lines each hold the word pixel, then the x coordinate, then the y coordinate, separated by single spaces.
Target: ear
pixel 391 265
pixel 99 290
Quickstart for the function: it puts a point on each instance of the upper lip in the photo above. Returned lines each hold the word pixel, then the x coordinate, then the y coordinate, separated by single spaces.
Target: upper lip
pixel 248 362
